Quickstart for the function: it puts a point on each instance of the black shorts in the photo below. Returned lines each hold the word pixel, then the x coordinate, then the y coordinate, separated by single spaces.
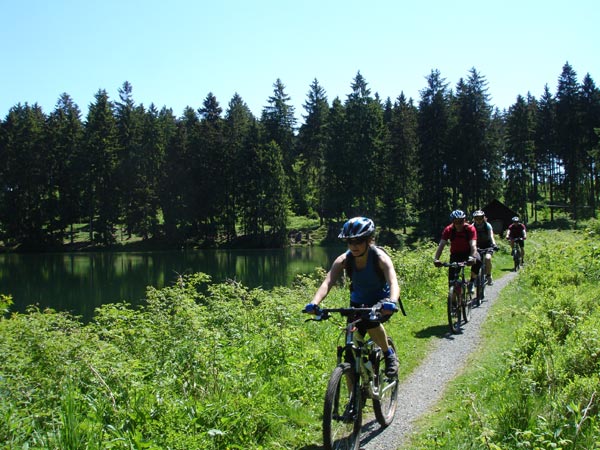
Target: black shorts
pixel 365 325
pixel 463 257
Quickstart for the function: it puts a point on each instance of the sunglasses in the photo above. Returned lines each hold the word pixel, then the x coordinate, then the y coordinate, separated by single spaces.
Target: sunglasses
pixel 356 241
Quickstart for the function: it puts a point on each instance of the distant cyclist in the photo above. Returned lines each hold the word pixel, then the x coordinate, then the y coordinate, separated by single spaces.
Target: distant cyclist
pixel 463 246
pixel 517 230
pixel 485 239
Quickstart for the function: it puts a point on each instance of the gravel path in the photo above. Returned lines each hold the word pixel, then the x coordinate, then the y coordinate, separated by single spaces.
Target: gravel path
pixel 425 386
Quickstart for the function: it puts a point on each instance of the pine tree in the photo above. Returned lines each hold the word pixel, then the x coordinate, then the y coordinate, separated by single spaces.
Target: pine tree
pixel 568 119
pixel 312 139
pixel 471 147
pixel 434 125
pixel 65 142
pixel 28 191
pixel 547 157
pixel 337 193
pixel 401 184
pixel 365 139
pixel 129 177
pixel 210 171
pixel 176 179
pixel 101 143
pixel 238 123
pixel 520 131
pixel 590 122
pixel 279 122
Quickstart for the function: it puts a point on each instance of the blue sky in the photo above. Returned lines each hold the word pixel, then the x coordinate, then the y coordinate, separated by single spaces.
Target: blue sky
pixel 175 52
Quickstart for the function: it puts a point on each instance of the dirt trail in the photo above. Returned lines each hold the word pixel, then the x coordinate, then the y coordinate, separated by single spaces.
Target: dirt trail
pixel 425 386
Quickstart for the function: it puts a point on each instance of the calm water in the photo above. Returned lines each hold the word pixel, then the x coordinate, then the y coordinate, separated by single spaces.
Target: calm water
pixel 80 282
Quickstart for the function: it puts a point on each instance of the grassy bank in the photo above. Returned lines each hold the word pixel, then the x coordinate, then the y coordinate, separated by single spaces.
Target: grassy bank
pixel 534 384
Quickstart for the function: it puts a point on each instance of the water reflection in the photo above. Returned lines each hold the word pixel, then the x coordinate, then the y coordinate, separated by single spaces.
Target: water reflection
pixel 80 282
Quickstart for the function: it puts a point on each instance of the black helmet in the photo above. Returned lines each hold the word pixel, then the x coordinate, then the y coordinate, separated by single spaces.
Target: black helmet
pixel 457 214
pixel 357 227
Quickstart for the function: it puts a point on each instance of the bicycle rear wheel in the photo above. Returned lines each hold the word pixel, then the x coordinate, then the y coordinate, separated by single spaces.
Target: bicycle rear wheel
pixel 466 304
pixel 342 413
pixel 480 286
pixel 386 400
pixel 453 310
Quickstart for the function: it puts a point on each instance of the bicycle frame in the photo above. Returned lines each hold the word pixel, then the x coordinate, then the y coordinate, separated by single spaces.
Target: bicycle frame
pixel 458 304
pixel 356 351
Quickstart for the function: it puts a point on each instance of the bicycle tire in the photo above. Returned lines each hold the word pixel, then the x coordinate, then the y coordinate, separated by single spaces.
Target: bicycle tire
pixel 342 412
pixel 480 287
pixel 466 305
pixel 386 402
pixel 516 257
pixel 453 310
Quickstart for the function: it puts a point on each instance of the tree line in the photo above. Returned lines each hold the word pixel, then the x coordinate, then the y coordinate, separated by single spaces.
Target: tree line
pixel 212 176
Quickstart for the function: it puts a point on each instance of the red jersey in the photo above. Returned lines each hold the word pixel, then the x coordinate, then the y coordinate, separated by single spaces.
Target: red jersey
pixel 459 240
pixel 516 230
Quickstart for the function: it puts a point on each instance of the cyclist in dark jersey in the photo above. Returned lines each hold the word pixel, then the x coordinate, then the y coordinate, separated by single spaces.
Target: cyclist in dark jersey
pixel 517 230
pixel 485 239
pixel 368 287
pixel 463 245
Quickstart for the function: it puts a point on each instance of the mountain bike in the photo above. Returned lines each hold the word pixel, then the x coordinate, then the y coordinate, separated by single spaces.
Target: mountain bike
pixel 516 254
pixel 481 280
pixel 359 375
pixel 460 301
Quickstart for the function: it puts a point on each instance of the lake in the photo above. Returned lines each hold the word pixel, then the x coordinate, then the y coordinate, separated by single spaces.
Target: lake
pixel 80 282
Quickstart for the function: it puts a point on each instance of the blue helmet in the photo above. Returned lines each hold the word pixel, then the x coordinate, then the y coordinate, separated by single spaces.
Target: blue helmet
pixel 357 227
pixel 457 214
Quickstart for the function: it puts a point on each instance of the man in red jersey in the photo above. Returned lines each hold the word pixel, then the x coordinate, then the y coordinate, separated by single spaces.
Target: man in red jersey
pixel 463 245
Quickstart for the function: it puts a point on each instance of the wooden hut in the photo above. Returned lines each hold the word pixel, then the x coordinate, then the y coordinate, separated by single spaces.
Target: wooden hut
pixel 498 215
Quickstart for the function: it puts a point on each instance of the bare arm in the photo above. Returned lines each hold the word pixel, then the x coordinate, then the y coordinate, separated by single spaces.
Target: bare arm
pixel 331 278
pixel 440 249
pixel 387 266
pixel 473 245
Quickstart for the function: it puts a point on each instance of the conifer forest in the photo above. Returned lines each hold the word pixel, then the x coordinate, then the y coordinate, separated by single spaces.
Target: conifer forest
pixel 219 175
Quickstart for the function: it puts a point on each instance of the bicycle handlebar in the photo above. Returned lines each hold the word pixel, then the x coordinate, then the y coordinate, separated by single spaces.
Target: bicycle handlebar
pixel 372 313
pixel 454 264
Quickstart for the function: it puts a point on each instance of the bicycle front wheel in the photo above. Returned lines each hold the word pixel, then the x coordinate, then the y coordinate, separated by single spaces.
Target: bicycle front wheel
pixel 386 400
pixel 453 310
pixel 342 414
pixel 516 257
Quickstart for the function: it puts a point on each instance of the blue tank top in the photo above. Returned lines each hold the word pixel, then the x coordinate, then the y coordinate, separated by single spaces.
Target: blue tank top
pixel 367 286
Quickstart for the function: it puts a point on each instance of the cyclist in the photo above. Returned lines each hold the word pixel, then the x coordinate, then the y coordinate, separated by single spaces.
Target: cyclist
pixel 485 239
pixel 373 281
pixel 517 230
pixel 463 246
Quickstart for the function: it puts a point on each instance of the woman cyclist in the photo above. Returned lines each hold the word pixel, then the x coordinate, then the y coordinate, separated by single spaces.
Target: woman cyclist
pixel 373 281
pixel 485 239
